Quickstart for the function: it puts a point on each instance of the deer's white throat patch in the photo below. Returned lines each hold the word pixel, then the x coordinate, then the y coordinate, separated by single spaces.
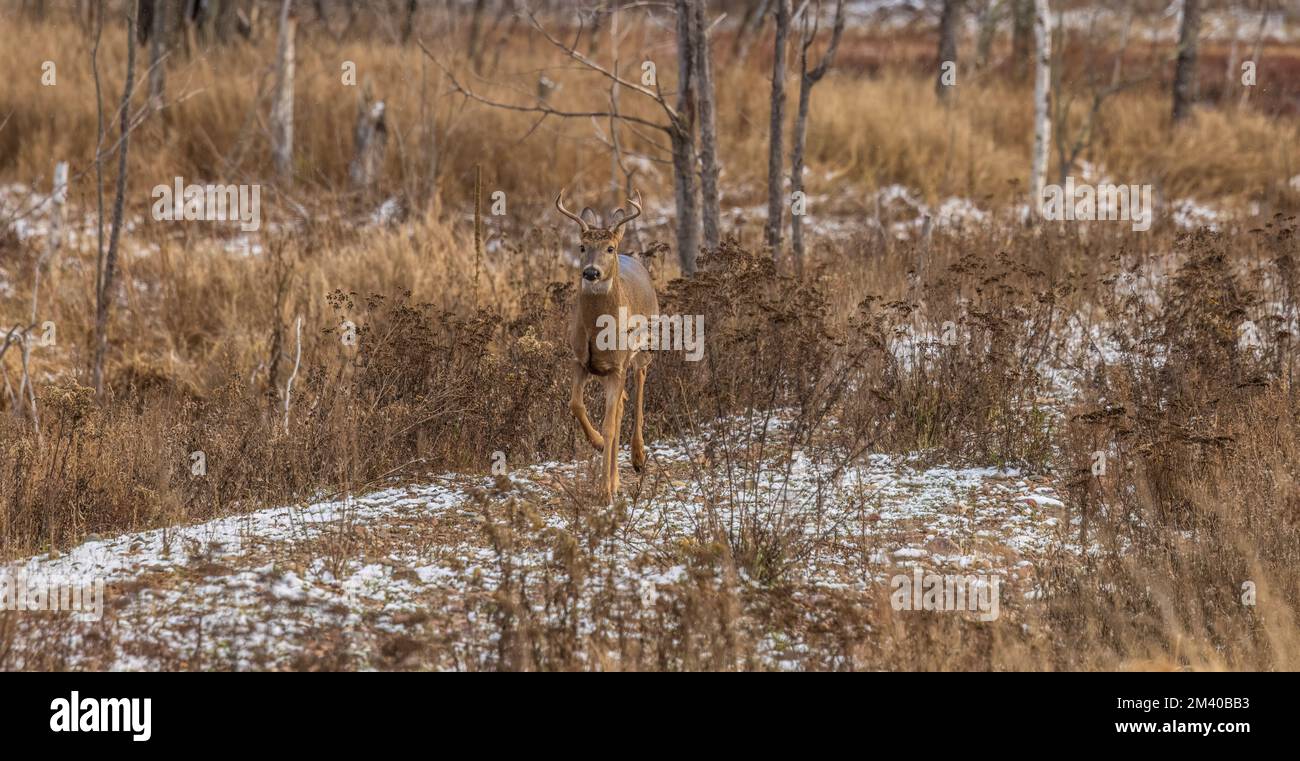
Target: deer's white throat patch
pixel 598 286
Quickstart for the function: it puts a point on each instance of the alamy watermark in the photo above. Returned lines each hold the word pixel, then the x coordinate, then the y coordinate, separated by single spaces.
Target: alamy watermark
pixel 658 332
pixel 947 592
pixel 20 592
pixel 1095 203
pixel 77 714
pixel 179 202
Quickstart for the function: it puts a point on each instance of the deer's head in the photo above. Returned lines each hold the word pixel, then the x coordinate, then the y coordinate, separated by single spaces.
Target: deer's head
pixel 598 245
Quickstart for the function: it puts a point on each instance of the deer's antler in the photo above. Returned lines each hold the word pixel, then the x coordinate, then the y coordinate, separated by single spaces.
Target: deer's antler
pixel 559 204
pixel 626 218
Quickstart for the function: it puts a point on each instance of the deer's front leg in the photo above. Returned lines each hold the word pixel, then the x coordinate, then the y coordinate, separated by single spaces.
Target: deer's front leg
pixel 580 410
pixel 638 442
pixel 613 386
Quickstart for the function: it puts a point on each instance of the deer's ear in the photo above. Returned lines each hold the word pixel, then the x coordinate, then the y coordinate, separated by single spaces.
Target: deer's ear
pixel 590 217
pixel 616 216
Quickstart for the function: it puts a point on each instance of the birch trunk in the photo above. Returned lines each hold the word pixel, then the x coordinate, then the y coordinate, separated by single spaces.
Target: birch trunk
pixel 58 219
pixel 282 107
pixel 1042 93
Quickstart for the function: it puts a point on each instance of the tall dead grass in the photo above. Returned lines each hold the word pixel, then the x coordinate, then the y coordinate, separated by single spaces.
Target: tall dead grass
pixel 865 131
pixel 1200 497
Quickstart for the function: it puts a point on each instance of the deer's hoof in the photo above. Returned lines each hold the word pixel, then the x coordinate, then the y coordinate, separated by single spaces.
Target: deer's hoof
pixel 598 443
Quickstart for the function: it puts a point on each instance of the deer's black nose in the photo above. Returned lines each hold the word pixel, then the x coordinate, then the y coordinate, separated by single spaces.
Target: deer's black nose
pixel 591 273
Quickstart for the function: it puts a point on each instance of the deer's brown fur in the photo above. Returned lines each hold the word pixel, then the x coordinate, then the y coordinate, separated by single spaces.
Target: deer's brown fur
pixel 622 288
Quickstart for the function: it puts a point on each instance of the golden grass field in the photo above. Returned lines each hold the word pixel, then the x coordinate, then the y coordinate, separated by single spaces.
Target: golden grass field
pixel 1078 339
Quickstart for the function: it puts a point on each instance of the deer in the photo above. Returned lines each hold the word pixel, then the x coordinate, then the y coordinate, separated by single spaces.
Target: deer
pixel 613 286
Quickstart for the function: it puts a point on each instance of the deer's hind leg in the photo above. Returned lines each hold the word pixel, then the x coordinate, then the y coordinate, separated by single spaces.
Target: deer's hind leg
pixel 580 410
pixel 638 442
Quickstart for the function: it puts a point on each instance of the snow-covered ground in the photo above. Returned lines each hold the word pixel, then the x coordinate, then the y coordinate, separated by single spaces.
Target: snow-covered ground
pixel 896 210
pixel 372 581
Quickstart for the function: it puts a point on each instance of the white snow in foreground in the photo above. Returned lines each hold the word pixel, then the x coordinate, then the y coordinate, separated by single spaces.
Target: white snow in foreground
pixel 256 590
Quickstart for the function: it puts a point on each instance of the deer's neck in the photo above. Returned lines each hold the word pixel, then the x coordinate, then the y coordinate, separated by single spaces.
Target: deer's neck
pixel 593 305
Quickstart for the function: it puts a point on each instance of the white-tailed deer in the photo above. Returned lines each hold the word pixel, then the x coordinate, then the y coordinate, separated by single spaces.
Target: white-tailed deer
pixel 617 288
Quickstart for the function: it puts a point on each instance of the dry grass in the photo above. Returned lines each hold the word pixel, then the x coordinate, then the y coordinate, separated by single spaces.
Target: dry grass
pixel 865 131
pixel 1202 494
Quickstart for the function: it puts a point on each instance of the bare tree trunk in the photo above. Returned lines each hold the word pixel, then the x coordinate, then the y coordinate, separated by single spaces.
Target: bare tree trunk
pixel 188 15
pixel 1042 93
pixel 774 149
pixel 370 140
pixel 949 22
pixel 205 15
pixel 709 169
pixel 617 174
pixel 478 226
pixel 989 17
pixel 1234 55
pixel 808 79
pixel 282 106
pixel 797 168
pixel 58 220
pixel 110 260
pixel 682 134
pixel 157 43
pixel 1256 51
pixel 224 20
pixel 742 29
pixel 408 24
pixel 507 10
pixel 748 31
pixel 593 38
pixel 429 129
pixel 1022 32
pixel 1185 72
pixel 1126 31
pixel 144 20
pixel 99 157
pixel 475 30
pixel 297 362
pixel 686 200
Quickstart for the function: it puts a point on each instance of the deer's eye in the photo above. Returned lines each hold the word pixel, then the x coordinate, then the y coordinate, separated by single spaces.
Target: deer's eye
pixel 582 249
pixel 610 249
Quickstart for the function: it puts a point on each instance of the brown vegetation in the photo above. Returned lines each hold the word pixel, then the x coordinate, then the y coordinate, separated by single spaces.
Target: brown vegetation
pixel 1201 494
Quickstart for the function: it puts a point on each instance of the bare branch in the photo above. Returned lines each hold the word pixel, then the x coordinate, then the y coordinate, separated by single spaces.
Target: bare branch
pixel 540 109
pixel 572 52
pixel 837 31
